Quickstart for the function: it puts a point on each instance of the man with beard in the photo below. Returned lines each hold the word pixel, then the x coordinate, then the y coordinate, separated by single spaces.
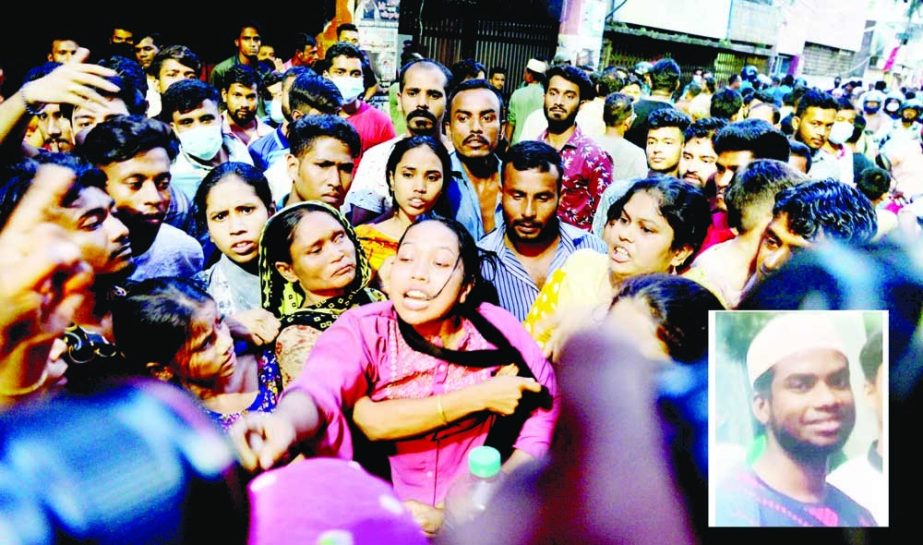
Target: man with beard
pixel 799 371
pixel 812 122
pixel 531 243
pixel 248 43
pixel 587 167
pixel 241 85
pixel 699 160
pixel 423 90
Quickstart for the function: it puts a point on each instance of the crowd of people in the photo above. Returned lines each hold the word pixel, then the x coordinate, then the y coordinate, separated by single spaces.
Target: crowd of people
pixel 331 280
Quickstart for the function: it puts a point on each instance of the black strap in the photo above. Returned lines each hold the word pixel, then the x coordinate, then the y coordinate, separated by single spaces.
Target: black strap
pixel 505 429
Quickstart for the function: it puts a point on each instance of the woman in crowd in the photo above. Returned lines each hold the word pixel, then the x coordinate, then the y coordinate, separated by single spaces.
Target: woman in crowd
pixel 656 227
pixel 233 203
pixel 312 269
pixel 417 171
pixel 173 328
pixel 426 371
pixel 665 316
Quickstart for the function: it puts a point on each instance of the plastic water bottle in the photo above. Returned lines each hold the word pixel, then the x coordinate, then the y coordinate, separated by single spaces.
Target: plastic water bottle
pixel 471 494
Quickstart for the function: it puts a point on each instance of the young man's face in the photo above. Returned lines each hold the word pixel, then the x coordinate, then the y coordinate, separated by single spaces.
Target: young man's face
pixel 241 102
pixel 122 36
pixel 323 173
pixel 103 237
pixel 814 126
pixel 562 100
pixel 62 50
pixel 424 89
pixel 145 51
pixel 205 114
pixel 498 80
pixel 56 130
pixel 698 162
pixel 728 164
pixel 85 119
pixel 266 53
pixel 777 246
pixel 474 123
pixel 663 149
pixel 349 36
pixel 248 43
pixel 809 408
pixel 530 204
pixel 172 71
pixel 140 188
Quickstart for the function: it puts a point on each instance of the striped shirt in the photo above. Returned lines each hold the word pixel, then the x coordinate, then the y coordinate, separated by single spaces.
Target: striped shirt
pixel 516 289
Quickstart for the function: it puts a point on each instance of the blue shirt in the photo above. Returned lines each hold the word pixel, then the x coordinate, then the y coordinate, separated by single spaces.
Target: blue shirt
pixel 464 203
pixel 266 150
pixel 516 289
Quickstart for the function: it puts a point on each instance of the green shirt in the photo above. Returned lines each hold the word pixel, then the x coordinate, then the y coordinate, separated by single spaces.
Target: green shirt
pixel 523 102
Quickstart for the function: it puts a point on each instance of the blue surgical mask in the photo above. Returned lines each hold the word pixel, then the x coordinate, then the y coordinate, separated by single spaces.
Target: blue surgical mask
pixel 349 87
pixel 871 109
pixel 202 142
pixel 274 107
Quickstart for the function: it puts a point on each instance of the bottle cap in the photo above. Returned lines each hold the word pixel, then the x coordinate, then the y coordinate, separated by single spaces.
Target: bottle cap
pixel 484 462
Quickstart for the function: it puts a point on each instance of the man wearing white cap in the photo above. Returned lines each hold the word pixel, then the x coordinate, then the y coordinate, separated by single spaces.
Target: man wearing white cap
pixel 799 371
pixel 526 100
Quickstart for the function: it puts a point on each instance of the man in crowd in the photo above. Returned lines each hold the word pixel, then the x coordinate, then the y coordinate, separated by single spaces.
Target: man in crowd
pixel 812 122
pixel 665 140
pixel 345 71
pixel 247 42
pixel 532 242
pixel 664 77
pixel 799 370
pixel 727 104
pixel 305 51
pixel 321 159
pixel 135 154
pixel 62 49
pixel 526 100
pixel 171 64
pixel 422 96
pixel 239 119
pixel 498 78
pixel 587 167
pixel 629 161
pixel 698 162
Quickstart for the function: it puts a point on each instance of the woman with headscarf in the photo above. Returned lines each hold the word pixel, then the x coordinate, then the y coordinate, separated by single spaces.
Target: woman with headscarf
pixel 312 269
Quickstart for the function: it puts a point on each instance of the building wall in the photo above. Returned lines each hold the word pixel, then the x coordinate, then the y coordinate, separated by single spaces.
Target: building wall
pixel 707 18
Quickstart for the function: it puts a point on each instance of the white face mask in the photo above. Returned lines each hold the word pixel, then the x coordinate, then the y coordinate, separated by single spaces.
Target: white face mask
pixel 840 132
pixel 202 142
pixel 349 87
pixel 274 107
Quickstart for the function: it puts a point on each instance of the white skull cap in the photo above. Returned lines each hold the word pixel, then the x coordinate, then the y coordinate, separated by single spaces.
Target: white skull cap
pixel 788 334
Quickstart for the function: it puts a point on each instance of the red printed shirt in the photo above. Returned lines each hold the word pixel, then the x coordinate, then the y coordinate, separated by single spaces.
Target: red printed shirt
pixel 587 173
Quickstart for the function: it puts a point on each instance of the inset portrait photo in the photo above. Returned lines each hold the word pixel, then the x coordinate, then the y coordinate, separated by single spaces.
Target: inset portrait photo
pixel 798 419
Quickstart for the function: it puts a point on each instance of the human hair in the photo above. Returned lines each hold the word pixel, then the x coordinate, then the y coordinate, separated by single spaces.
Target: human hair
pixel 754 135
pixel 494 70
pixel 155 37
pixel 726 103
pixel 665 75
pixel 249 24
pixel 303 40
pixel 122 137
pixel 404 145
pixel 733 78
pixel 776 112
pixel 802 150
pixel 574 75
pixel 241 74
pixel 704 128
pixel 467 69
pixel 679 307
pixel 130 73
pixel 346 27
pixel 683 205
pixel 16 179
pixel 617 108
pixel 844 103
pixel 186 95
pixel 473 84
pixel 829 208
pixel 815 98
pixel 449 79
pixel 470 257
pixel 874 182
pixel 533 155
pixel 668 117
pixel 305 130
pixel 871 357
pixel 180 54
pixel 312 91
pixel 754 190
pixel 342 49
pixel 248 174
pixel 153 321
pixel 268 81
